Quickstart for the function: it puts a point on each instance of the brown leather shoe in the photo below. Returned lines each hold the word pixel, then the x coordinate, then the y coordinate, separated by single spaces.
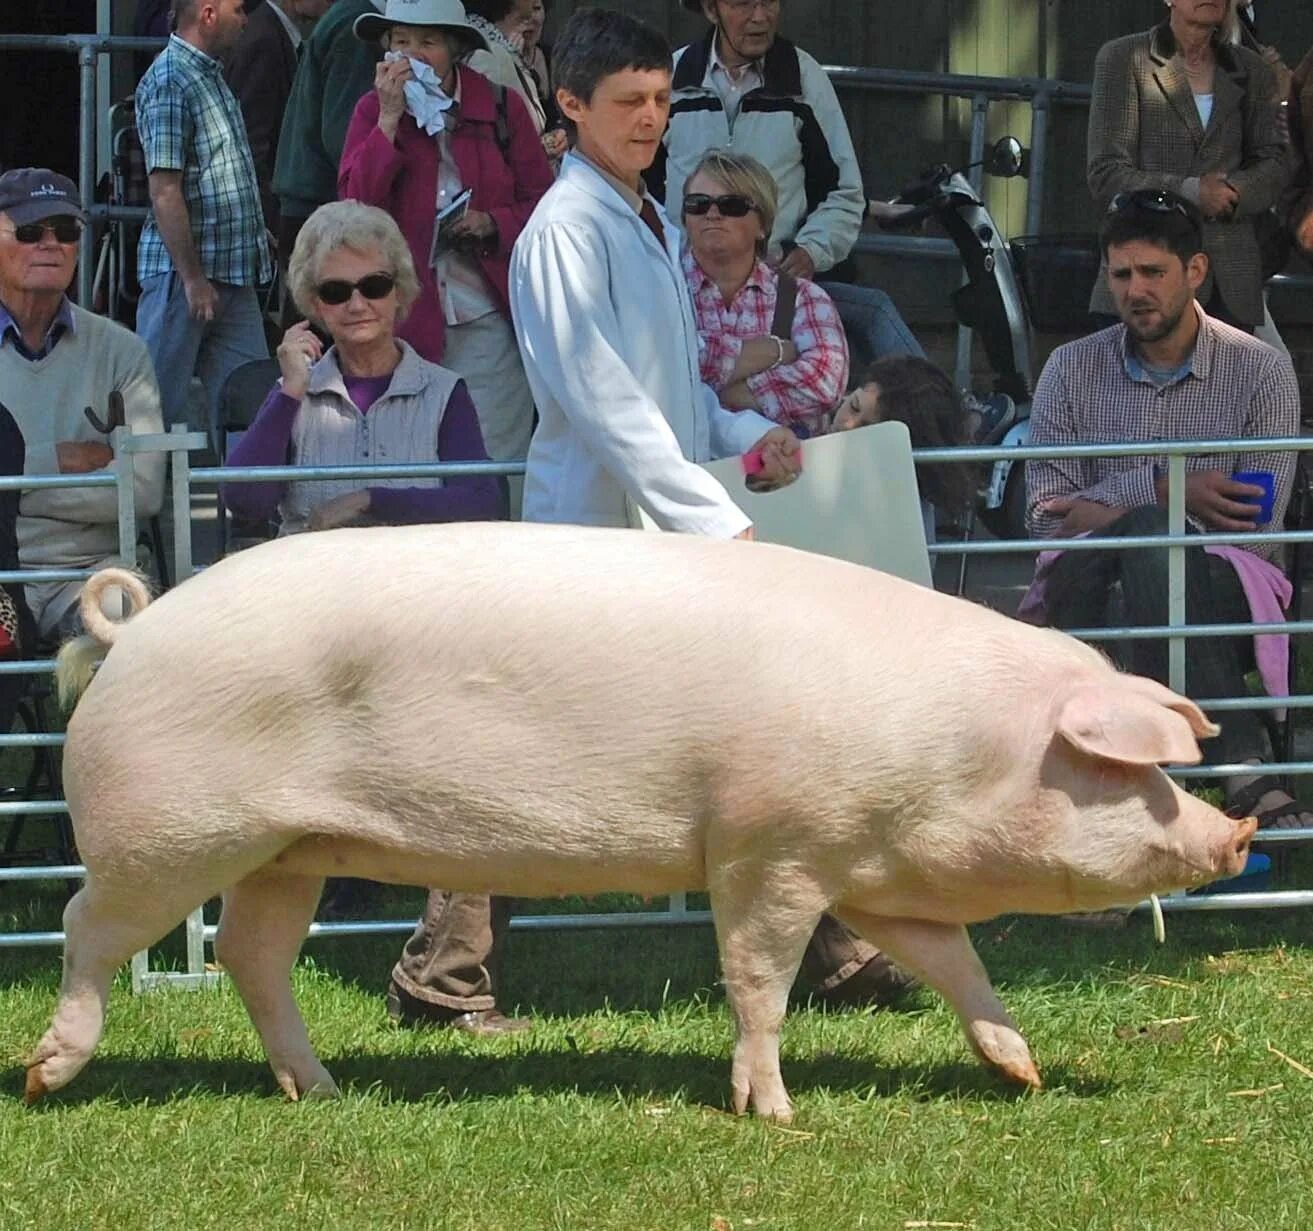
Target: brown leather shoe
pixel 877 984
pixel 410 1011
pixel 488 1022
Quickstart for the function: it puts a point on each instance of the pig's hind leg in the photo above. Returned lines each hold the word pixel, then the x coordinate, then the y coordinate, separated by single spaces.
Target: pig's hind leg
pixel 941 954
pixel 764 918
pixel 265 918
pixel 105 923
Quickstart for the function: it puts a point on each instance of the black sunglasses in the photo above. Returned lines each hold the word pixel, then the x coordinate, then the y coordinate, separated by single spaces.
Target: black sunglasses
pixel 65 230
pixel 1155 200
pixel 337 291
pixel 731 205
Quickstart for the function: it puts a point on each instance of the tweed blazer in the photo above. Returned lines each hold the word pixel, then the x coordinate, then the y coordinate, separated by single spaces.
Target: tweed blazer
pixel 1145 132
pixel 1300 196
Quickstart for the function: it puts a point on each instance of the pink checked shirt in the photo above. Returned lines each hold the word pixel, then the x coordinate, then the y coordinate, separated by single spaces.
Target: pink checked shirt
pixel 799 394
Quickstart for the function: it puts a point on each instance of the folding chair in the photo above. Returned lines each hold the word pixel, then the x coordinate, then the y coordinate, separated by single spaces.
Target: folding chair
pixel 242 396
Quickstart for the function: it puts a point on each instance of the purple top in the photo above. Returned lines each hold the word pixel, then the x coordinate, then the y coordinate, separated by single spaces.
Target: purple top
pixel 364 391
pixel 268 442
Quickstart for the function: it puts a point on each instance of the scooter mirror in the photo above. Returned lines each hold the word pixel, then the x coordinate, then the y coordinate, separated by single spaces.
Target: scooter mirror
pixel 1007 158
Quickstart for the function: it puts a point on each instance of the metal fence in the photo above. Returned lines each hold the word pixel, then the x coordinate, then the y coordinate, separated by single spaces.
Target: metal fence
pixel 1042 95
pixel 186 480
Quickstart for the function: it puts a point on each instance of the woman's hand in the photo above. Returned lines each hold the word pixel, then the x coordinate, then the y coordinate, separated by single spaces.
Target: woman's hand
pixel 297 352
pixel 475 225
pixel 760 354
pixel 555 143
pixel 340 511
pixel 389 79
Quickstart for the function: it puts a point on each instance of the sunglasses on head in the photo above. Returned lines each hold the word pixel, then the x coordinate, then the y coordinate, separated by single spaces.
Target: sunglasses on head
pixel 337 291
pixel 65 230
pixel 731 205
pixel 1154 200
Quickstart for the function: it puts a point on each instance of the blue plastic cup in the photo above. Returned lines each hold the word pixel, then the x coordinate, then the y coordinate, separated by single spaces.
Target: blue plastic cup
pixel 1268 482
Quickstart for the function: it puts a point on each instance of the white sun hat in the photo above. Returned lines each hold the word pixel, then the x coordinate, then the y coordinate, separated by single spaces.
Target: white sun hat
pixel 447 14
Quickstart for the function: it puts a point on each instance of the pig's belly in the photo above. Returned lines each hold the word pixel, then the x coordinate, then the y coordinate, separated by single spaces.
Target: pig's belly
pixel 535 873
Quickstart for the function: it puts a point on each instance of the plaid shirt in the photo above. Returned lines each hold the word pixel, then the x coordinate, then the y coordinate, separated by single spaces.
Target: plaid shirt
pixel 1094 391
pixel 800 394
pixel 189 121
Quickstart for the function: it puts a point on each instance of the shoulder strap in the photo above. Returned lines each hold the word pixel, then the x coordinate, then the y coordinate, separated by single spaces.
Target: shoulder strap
pixel 503 130
pixel 786 303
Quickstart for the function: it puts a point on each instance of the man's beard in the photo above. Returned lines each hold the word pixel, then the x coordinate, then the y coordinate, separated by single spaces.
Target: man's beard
pixel 1154 333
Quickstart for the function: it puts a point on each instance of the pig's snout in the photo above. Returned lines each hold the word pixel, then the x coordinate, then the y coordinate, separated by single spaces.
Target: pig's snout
pixel 1234 850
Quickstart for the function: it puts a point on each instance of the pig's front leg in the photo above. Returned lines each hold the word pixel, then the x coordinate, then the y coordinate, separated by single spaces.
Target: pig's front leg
pixel 763 921
pixel 942 955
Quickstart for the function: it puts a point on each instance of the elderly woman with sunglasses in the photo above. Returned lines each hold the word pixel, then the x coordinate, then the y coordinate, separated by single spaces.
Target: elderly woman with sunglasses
pixel 368 398
pixel 430 132
pixel 1181 110
pixel 767 342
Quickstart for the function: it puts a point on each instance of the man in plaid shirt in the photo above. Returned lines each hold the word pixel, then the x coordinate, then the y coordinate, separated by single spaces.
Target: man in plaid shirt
pixel 1169 372
pixel 203 250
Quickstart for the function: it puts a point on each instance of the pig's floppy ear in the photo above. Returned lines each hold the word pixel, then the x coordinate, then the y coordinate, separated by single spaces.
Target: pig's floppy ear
pixel 1134 726
pixel 1198 720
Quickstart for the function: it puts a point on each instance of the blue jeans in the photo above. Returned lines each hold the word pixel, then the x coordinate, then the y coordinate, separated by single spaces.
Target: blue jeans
pixel 181 346
pixel 872 323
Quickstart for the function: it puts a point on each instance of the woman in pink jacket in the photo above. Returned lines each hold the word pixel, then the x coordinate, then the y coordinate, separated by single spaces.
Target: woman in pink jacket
pixel 432 140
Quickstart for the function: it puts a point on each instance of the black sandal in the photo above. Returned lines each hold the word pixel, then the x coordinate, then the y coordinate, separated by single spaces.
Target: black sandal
pixel 1245 800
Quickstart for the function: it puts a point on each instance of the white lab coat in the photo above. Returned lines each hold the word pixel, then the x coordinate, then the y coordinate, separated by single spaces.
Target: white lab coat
pixel 606 329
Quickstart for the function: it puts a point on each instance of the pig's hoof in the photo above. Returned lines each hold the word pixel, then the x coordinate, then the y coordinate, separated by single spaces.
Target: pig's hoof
pixel 1024 1074
pixel 310 1087
pixel 776 1107
pixel 1005 1051
pixel 35 1088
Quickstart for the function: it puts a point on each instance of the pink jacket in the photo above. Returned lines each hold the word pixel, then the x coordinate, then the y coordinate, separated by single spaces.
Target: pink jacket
pixel 403 179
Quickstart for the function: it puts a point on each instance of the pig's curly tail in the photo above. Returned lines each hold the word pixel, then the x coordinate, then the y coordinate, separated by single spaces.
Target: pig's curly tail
pixel 76 662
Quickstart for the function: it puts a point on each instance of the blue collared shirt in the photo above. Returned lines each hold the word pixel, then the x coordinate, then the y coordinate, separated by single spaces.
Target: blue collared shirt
pixel 189 121
pixel 9 331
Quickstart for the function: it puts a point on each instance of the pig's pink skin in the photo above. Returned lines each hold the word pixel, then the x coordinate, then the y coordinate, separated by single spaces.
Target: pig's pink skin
pixel 542 710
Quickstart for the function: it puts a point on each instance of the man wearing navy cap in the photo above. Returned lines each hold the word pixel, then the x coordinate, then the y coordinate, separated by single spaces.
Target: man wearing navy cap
pixel 56 359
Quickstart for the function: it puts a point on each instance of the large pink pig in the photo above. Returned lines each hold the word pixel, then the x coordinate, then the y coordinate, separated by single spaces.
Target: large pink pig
pixel 537 710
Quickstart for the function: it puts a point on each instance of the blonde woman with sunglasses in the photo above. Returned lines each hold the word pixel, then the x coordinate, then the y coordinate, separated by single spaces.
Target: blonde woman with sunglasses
pixel 766 341
pixel 368 397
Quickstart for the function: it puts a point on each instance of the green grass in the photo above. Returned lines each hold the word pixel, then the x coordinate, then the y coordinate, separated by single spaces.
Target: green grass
pixel 610 1112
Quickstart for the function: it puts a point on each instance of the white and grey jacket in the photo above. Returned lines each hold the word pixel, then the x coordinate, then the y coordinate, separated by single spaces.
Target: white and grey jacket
pixel 793 124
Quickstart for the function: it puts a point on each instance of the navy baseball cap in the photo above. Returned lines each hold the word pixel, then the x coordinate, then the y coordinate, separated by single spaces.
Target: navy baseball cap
pixel 29 194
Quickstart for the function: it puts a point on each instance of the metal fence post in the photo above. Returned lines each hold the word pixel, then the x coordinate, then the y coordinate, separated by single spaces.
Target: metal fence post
pixel 1176 571
pixel 87 59
pixel 979 128
pixel 181 496
pixel 125 488
pixel 1040 106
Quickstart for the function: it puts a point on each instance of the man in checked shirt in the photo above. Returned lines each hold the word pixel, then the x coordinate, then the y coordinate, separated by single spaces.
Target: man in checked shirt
pixel 1169 372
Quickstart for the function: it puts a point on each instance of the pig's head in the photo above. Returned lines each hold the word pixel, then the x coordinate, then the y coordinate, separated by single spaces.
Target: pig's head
pixel 1123 829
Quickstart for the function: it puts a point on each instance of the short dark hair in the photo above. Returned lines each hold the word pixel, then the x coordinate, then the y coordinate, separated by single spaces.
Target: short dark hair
pixel 914 392
pixel 1155 217
pixel 489 10
pixel 599 42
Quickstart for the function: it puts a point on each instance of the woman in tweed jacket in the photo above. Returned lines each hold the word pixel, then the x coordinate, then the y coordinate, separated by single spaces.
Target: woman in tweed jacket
pixel 1178 108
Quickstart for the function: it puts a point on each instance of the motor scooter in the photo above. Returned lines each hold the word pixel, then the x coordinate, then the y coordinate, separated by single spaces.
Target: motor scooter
pixel 990 302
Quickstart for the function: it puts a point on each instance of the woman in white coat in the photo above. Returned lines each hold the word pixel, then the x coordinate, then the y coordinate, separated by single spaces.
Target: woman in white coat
pixel 604 319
